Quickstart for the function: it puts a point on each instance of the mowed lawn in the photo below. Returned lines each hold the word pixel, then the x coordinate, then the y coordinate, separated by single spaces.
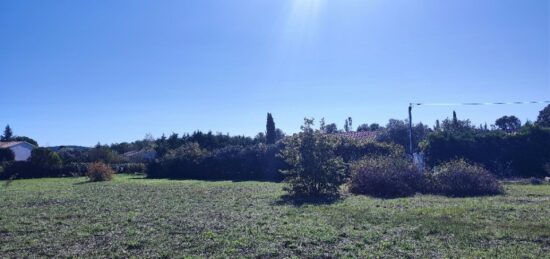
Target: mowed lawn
pixel 131 216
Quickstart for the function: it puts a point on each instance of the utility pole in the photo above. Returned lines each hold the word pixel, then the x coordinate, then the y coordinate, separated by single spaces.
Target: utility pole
pixel 410 129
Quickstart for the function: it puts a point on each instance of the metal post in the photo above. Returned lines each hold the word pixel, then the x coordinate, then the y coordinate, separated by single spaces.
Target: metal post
pixel 410 129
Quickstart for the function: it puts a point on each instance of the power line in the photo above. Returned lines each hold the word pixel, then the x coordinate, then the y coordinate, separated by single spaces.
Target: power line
pixel 475 104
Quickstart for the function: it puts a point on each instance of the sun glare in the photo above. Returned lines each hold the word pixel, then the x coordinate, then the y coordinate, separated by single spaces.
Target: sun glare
pixel 303 19
pixel 299 34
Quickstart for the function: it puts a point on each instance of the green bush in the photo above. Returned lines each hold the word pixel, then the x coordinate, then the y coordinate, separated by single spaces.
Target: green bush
pixel 45 158
pixel 104 154
pixel 43 163
pixel 458 178
pixel 75 169
pixel 237 163
pixel 386 177
pixel 315 169
pixel 352 149
pixel 6 155
pixel 522 154
pixel 133 168
pixel 98 172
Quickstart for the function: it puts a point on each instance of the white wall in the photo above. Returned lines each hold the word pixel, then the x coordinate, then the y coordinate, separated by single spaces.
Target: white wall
pixel 22 151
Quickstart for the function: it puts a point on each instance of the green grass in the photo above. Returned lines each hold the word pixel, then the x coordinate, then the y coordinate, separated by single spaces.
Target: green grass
pixel 163 218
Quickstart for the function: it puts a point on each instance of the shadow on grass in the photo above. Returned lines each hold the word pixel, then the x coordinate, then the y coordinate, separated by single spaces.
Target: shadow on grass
pixel 300 201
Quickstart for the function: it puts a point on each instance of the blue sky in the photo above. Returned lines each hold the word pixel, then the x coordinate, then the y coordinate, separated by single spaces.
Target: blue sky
pixel 79 72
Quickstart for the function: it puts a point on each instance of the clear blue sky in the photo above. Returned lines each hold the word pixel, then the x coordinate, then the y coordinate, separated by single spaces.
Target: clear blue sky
pixel 79 72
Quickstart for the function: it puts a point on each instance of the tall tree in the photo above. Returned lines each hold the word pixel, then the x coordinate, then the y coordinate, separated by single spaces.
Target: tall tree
pixel 543 119
pixel 322 125
pixel 508 123
pixel 348 125
pixel 363 127
pixel 331 128
pixel 270 134
pixel 8 134
pixel 455 119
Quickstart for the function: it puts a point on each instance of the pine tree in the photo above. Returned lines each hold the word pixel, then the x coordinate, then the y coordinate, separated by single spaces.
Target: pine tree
pixel 8 134
pixel 270 135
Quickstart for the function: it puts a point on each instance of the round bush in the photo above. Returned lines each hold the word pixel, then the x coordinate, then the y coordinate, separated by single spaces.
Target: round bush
pixel 98 172
pixel 6 155
pixel 458 178
pixel 386 177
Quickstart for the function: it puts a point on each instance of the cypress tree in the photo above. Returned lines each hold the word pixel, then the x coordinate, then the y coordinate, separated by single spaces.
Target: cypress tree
pixel 270 134
pixel 8 134
pixel 455 119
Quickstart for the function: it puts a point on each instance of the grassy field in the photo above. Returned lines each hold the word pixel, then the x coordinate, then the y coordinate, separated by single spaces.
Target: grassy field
pixel 131 216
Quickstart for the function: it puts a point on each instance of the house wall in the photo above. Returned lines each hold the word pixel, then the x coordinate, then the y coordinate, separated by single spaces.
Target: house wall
pixel 22 152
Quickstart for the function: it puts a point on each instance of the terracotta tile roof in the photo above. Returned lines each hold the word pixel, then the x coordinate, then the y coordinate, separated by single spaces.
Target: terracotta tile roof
pixel 10 144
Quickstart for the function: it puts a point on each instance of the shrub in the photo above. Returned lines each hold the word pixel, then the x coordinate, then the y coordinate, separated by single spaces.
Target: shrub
pixel 522 154
pixel 6 155
pixel 134 168
pixel 45 158
pixel 386 177
pixel 75 169
pixel 20 169
pixel 43 163
pixel 104 154
pixel 352 149
pixel 460 179
pixel 535 181
pixel 315 169
pixel 99 171
pixel 190 161
pixel 181 163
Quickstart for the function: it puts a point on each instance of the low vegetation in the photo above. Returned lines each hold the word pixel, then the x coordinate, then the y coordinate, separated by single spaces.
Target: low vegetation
pixel 460 179
pixel 314 167
pixel 99 172
pixel 387 177
pixel 135 217
pixel 523 153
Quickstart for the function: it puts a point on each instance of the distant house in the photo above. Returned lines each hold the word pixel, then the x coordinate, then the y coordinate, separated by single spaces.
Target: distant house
pixel 21 149
pixel 361 135
pixel 139 156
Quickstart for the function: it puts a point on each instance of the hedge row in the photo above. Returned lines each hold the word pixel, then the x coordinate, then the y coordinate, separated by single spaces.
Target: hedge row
pixel 253 162
pixel 523 154
pixel 258 162
pixel 22 169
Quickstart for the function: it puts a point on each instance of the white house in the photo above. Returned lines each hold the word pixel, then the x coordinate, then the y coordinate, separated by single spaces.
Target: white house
pixel 21 149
